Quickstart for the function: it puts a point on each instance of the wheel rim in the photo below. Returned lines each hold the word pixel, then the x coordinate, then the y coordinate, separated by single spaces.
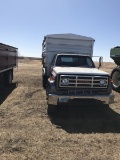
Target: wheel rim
pixel 116 79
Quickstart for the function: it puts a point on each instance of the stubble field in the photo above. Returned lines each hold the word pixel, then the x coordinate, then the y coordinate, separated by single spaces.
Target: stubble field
pixel 78 131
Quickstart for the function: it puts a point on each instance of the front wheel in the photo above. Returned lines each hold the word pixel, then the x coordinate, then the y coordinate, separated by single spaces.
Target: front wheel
pixel 44 81
pixel 51 109
pixel 115 75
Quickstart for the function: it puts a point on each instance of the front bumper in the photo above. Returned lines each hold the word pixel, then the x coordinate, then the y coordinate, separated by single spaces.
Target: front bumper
pixel 53 98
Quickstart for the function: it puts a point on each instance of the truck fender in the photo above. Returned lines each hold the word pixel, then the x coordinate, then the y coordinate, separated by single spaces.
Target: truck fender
pixel 43 71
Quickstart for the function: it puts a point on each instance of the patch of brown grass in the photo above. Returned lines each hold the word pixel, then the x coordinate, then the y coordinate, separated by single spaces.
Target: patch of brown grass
pixel 76 131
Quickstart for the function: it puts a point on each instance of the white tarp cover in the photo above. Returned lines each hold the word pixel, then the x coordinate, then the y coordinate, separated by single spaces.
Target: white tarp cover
pixel 69 36
pixel 68 43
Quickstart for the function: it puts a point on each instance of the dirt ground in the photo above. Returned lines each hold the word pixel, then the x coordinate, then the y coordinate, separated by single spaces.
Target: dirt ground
pixel 77 131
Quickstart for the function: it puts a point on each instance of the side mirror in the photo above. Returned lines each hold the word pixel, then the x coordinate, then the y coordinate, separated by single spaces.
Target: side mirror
pixel 100 62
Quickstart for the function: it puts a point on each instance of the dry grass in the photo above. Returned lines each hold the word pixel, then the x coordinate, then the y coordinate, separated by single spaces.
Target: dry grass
pixel 76 131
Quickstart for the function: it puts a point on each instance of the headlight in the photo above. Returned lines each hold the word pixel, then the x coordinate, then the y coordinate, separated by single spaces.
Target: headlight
pixel 52 77
pixel 65 81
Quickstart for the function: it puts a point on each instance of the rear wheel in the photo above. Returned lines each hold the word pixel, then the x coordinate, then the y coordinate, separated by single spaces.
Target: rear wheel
pixel 8 78
pixel 2 80
pixel 115 75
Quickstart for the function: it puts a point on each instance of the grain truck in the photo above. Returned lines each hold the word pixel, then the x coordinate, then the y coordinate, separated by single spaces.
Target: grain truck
pixel 115 74
pixel 8 60
pixel 69 72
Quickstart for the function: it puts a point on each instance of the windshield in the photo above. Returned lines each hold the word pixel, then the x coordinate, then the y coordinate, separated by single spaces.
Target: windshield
pixel 74 61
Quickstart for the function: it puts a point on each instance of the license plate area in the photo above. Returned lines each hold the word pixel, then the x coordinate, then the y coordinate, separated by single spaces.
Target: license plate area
pixel 63 100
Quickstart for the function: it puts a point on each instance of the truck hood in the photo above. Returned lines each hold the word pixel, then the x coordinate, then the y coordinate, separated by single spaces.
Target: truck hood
pixel 79 70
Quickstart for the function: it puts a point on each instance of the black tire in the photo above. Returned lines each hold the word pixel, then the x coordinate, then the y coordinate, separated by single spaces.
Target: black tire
pixel 2 80
pixel 51 109
pixel 8 78
pixel 44 81
pixel 115 75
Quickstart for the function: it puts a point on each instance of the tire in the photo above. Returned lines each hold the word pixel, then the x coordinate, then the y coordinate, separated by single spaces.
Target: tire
pixel 51 109
pixel 2 81
pixel 115 75
pixel 8 78
pixel 44 81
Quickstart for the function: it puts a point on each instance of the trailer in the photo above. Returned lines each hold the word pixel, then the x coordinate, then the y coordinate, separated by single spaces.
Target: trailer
pixel 8 60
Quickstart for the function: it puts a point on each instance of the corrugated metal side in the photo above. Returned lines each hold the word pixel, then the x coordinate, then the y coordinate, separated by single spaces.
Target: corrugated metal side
pixel 82 49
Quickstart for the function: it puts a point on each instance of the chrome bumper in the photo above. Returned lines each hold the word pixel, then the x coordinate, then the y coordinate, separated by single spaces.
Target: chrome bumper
pixel 53 99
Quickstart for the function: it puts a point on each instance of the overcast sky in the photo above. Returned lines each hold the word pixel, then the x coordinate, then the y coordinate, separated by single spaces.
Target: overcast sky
pixel 24 23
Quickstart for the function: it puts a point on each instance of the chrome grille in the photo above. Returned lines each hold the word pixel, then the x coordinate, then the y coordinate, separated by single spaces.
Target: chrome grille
pixel 81 81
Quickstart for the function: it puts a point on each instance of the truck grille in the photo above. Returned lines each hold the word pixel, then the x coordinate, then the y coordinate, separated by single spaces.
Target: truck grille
pixel 78 81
